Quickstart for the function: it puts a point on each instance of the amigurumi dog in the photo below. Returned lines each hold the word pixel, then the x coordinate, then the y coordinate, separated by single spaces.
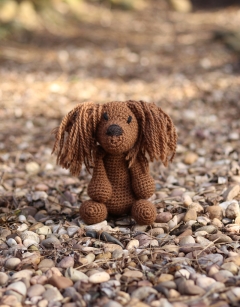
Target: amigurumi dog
pixel 113 139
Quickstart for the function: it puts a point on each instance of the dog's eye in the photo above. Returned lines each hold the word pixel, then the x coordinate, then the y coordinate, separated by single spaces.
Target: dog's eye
pixel 129 119
pixel 105 116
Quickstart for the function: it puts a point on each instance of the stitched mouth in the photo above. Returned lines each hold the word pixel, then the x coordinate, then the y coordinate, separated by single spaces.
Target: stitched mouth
pixel 115 141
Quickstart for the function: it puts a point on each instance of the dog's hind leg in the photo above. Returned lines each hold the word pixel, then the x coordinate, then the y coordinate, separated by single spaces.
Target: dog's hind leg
pixel 93 212
pixel 144 212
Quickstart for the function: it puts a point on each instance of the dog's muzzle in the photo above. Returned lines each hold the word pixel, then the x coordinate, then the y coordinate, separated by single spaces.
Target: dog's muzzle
pixel 114 130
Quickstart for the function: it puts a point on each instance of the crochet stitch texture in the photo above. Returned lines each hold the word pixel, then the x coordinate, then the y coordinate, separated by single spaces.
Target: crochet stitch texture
pixel 113 139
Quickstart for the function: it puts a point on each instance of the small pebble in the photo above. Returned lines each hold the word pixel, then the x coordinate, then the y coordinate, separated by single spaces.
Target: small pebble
pixel 12 263
pixel 187 200
pixel 99 277
pixel 232 210
pixel 163 217
pixel 3 278
pixel 32 168
pixel 133 244
pixel 44 230
pixel 133 274
pixel 51 242
pixel 75 275
pixel 215 212
pixel 186 240
pixel 190 158
pixel 52 295
pixel 19 287
pixel 231 192
pixel 35 290
pixel 60 282
pixel 41 187
pixel 46 264
pixel 191 215
pixel 220 238
pixel 231 267
pixel 11 242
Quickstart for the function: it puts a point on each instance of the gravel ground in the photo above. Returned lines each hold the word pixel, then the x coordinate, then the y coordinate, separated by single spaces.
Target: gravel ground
pixel 190 256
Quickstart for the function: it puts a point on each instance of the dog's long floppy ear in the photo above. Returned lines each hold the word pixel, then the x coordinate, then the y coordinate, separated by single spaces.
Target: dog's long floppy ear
pixel 157 133
pixel 79 145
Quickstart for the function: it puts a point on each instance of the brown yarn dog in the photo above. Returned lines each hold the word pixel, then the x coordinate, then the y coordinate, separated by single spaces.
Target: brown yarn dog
pixel 114 139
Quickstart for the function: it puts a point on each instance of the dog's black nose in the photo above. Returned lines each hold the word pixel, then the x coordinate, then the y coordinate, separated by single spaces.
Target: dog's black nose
pixel 114 130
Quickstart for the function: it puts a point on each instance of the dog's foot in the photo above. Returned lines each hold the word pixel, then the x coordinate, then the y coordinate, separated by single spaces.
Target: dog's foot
pixel 144 212
pixel 93 212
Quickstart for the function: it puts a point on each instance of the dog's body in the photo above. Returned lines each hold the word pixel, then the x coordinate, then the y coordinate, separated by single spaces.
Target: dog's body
pixel 113 139
pixel 123 193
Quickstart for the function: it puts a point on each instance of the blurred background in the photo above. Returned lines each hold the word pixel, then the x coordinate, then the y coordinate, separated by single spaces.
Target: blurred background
pixel 181 54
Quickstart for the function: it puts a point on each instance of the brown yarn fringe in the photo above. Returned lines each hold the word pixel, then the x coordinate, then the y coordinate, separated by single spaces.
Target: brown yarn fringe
pixel 79 146
pixel 157 135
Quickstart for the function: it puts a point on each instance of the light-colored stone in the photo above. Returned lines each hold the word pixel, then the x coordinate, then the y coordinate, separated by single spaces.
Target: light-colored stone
pixel 117 254
pixel 165 277
pixel 88 259
pixel 3 278
pixel 204 281
pixel 163 217
pixel 18 287
pixel 29 235
pixel 209 229
pixel 190 158
pixel 182 273
pixel 22 227
pixel 232 210
pixel 52 294
pixel 191 215
pixel 112 304
pixel 187 200
pixel 45 230
pixel 210 259
pixel 132 245
pixel 32 168
pixel 97 227
pixel 12 263
pixel 216 222
pixel 156 231
pixel 220 238
pixel 42 303
pixel 215 212
pixel 188 287
pixel 231 267
pixel 110 247
pixel 231 192
pixel 143 292
pixel 46 264
pixel 66 262
pixel 104 256
pixel 60 282
pixel 11 242
pixel 51 242
pixel 75 275
pixel 71 230
pixel 22 274
pixel 173 222
pixel 133 274
pixel 99 277
pixel 203 220
pixel 203 241
pixel 186 240
pixel 41 187
pixel 35 290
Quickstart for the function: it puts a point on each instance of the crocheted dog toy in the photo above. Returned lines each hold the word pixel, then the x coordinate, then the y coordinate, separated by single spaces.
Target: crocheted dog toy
pixel 113 139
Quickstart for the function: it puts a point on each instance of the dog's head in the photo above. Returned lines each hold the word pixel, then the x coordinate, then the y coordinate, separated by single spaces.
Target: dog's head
pixel 117 131
pixel 131 127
